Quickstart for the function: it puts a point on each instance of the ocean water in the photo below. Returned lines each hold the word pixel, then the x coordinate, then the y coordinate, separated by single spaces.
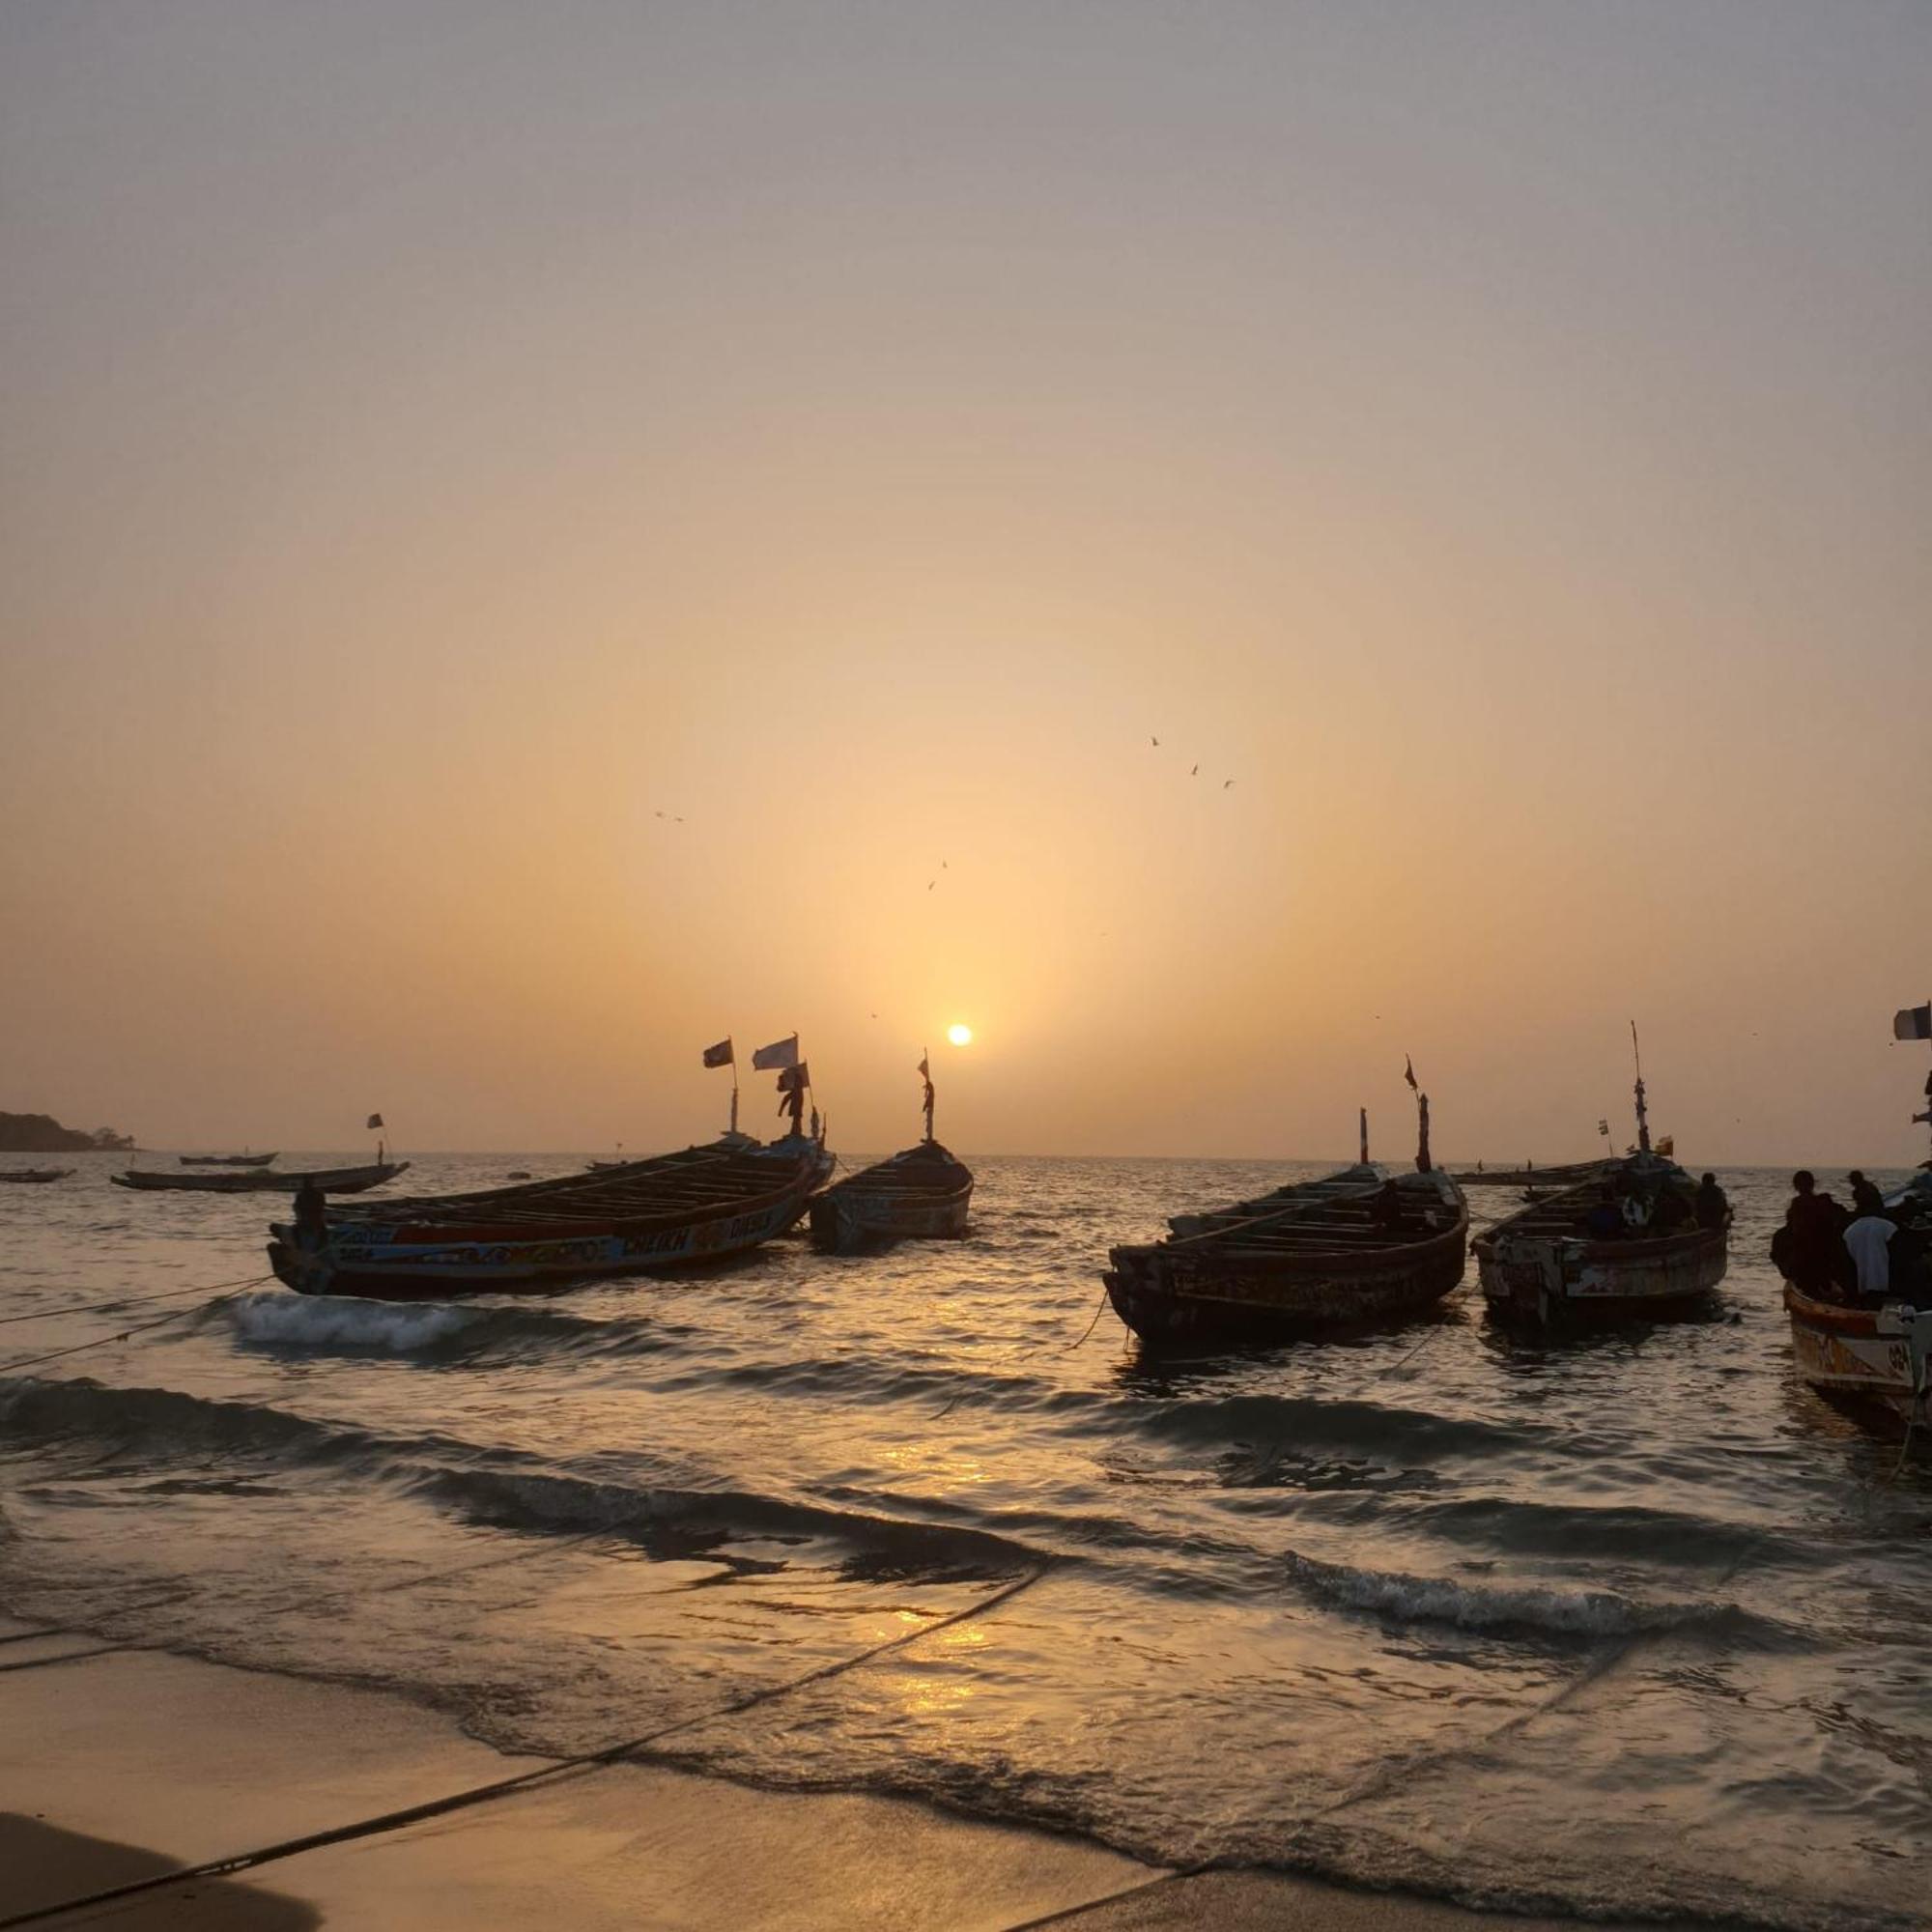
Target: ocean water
pixel 1625 1623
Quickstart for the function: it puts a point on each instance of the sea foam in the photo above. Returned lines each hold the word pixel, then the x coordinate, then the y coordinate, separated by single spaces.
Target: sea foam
pixel 1396 1594
pixel 345 1322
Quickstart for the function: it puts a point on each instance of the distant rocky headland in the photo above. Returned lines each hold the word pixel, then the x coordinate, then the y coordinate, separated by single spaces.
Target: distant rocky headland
pixel 42 1133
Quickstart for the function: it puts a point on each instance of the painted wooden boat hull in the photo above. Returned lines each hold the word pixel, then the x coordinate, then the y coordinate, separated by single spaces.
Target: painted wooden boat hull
pixel 1539 1278
pixel 1862 1358
pixel 534 1238
pixel 1204 1289
pixel 848 1223
pixel 255 1181
pixel 1188 1304
pixel 920 1195
pixel 228 1159
pixel 34 1177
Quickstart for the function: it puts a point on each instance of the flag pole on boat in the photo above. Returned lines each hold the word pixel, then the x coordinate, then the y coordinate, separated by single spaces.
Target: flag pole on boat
pixel 925 1075
pixel 1915 1023
pixel 1365 1137
pixel 724 1054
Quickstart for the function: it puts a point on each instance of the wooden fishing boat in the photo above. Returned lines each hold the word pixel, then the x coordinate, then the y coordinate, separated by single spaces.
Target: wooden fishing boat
pixel 1358 1248
pixel 701 1205
pixel 1544 1261
pixel 32 1175
pixel 227 1160
pixel 921 1193
pixel 1626 1244
pixel 261 1180
pixel 1875 1360
pixel 1864 1360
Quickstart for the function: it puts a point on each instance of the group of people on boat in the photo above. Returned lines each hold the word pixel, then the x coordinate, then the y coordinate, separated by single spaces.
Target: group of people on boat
pixel 1627 1209
pixel 1861 1255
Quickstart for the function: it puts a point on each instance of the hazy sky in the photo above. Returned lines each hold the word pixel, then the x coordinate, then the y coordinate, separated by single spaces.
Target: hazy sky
pixel 436 439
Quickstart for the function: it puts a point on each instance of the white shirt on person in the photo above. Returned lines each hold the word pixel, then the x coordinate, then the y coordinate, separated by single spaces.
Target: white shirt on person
pixel 1868 1241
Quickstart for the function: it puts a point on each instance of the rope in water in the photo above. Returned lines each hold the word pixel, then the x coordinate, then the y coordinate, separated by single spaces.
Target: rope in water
pixel 125 1334
pixel 502 1787
pixel 132 1300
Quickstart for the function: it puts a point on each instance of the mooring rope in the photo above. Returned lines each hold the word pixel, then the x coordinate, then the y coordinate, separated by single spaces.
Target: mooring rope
pixel 134 1300
pixel 125 1334
pixel 502 1787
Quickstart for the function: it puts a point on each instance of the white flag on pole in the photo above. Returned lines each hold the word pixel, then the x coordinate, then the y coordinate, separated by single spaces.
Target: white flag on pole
pixel 780 1053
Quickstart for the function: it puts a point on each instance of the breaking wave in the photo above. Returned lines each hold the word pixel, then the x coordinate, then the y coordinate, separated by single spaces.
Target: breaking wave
pixel 1410 1599
pixel 342 1324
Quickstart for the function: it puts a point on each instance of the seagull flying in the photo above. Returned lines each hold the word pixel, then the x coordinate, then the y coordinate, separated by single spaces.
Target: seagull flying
pixel 1226 782
pixel 1195 773
pixel 1156 742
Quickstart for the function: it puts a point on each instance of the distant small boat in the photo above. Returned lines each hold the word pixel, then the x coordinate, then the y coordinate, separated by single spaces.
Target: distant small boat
pixel 261 1180
pixel 227 1160
pixel 1573 1174
pixel 921 1193
pixel 1546 1262
pixel 30 1176
pixel 701 1205
pixel 1357 1249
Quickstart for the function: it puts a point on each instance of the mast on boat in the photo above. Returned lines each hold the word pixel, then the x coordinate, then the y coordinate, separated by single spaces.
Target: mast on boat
pixel 1363 1157
pixel 1423 1164
pixel 1642 1111
pixel 925 1075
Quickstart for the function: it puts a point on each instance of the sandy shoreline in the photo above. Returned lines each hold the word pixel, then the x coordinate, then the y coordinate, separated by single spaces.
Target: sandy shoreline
pixel 118 1767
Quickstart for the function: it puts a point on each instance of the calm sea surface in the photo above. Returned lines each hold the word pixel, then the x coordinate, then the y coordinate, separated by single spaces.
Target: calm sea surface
pixel 1628 1624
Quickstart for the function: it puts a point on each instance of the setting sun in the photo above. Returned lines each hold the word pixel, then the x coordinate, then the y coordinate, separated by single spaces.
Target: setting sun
pixel 959 1033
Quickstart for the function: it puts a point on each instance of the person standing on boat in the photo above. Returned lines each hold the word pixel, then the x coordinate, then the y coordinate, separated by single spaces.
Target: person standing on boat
pixel 1868 1242
pixel 1714 1208
pixel 1807 1248
pixel 311 1206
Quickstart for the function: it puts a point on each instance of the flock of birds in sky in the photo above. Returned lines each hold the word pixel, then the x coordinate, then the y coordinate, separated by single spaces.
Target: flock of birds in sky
pixel 1195 771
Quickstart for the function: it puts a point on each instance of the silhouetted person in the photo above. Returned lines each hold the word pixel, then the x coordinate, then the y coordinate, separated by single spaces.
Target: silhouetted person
pixel 1808 1249
pixel 311 1215
pixel 1714 1210
pixel 1866 1198
pixel 1386 1209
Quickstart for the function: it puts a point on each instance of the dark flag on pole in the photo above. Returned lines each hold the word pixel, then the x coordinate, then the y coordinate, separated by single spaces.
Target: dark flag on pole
pixel 1912 1022
pixel 1408 1074
pixel 375 1121
pixel 720 1055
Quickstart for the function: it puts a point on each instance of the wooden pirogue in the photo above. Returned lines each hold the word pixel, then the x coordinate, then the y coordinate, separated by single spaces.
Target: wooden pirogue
pixel 1624 1245
pixel 1356 1248
pixel 921 1193
pixel 1873 1356
pixel 227 1160
pixel 265 1180
pixel 30 1176
pixel 1546 1262
pixel 700 1205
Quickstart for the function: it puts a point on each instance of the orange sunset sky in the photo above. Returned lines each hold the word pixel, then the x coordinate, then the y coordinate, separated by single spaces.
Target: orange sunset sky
pixel 443 438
